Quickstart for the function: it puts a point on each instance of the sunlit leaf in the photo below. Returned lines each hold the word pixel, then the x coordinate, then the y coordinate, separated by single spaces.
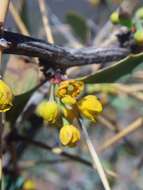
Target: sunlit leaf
pixel 21 76
pixel 115 71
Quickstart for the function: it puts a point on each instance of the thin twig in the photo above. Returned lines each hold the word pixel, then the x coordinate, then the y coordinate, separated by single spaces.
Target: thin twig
pixel 96 161
pixel 18 19
pixel 64 30
pixel 4 4
pixel 19 22
pixel 130 87
pixel 26 164
pixel 44 13
pixel 134 90
pixel 104 121
pixel 130 91
pixel 116 138
pixel 76 158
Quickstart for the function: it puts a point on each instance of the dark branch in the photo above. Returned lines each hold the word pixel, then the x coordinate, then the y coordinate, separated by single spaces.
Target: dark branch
pixel 18 137
pixel 76 158
pixel 60 56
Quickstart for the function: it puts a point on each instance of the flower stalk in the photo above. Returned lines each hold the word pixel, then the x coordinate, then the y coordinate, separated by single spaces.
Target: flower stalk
pixel 96 161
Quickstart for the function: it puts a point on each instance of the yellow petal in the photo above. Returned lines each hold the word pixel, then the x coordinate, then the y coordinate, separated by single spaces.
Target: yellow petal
pixel 76 135
pixel 65 135
pixel 89 115
pixel 49 111
pixel 68 100
pixel 69 135
pixel 90 107
pixel 6 97
pixel 29 185
pixel 91 102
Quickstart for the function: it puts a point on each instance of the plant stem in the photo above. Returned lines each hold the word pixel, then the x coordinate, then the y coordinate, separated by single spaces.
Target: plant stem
pixel 123 133
pixel 96 161
pixel 20 24
pixel 44 13
pixel 4 4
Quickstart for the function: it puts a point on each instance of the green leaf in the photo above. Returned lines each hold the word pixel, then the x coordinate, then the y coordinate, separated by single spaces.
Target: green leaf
pixel 115 71
pixel 126 22
pixel 78 25
pixel 23 78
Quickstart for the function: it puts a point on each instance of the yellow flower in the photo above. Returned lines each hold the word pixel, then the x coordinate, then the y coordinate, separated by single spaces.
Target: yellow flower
pixel 49 111
pixel 69 135
pixel 68 90
pixel 139 13
pixel 90 106
pixel 29 185
pixel 6 97
pixel 138 36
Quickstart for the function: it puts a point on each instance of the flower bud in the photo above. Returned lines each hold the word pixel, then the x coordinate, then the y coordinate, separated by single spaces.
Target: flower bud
pixel 138 36
pixel 90 107
pixel 49 111
pixel 114 18
pixel 69 135
pixel 6 97
pixel 139 13
pixel 29 185
pixel 68 100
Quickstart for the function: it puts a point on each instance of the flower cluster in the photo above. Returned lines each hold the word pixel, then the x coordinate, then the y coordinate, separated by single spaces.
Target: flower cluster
pixel 70 106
